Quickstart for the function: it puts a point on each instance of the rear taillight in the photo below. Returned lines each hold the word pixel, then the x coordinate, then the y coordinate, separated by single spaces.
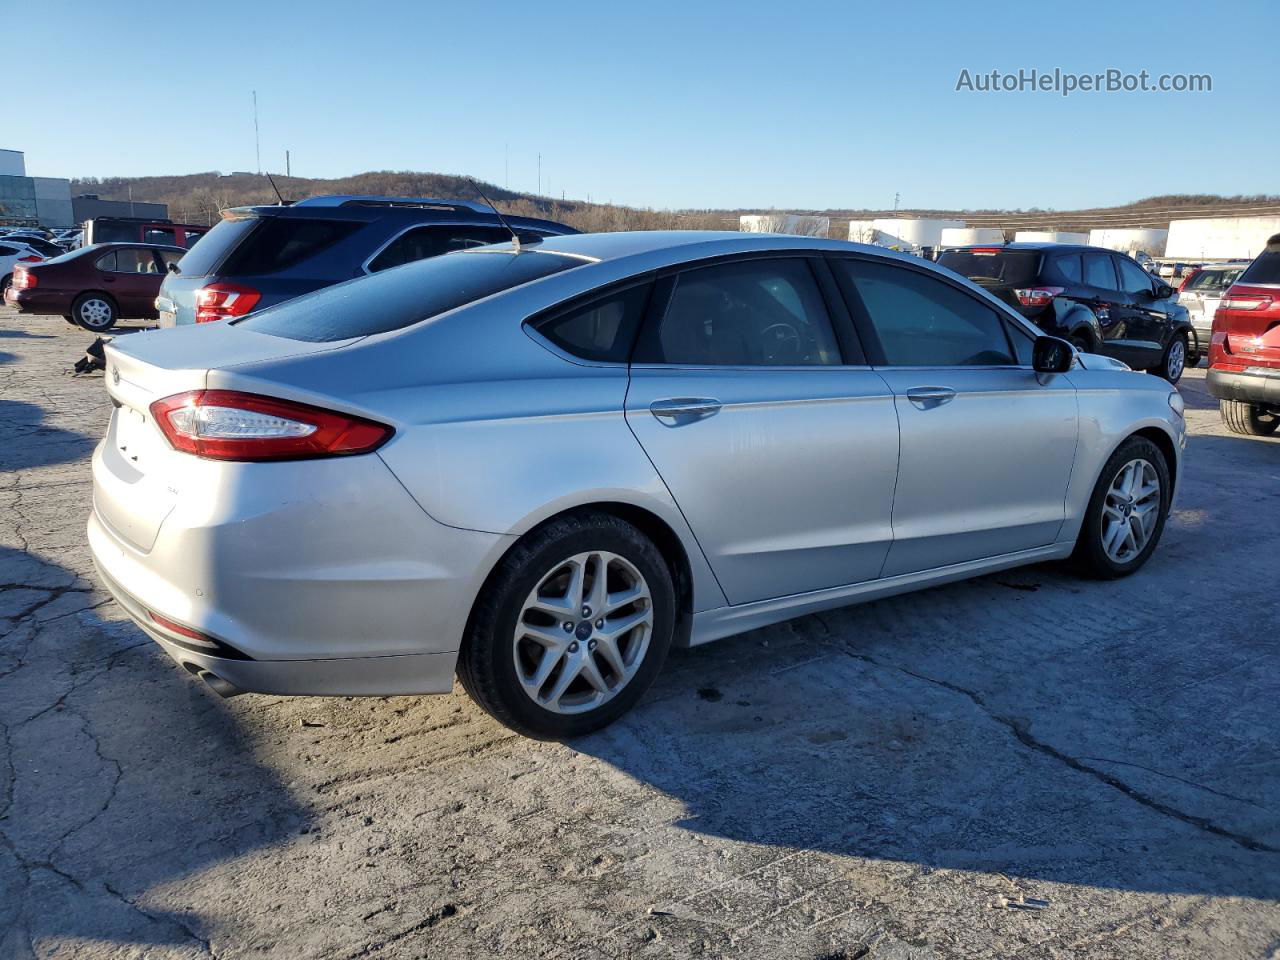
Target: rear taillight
pixel 1188 278
pixel 22 279
pixel 31 259
pixel 224 301
pixel 1037 296
pixel 1243 301
pixel 229 425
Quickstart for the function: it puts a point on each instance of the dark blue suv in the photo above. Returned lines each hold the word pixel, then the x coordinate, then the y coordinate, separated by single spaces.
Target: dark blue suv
pixel 260 256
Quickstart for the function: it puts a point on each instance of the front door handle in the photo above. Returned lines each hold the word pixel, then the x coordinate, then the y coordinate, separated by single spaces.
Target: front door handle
pixel 926 398
pixel 685 408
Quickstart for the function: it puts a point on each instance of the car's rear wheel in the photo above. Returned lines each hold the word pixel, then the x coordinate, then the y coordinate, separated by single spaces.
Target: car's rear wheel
pixel 1082 343
pixel 1174 361
pixel 571 628
pixel 1127 512
pixel 1250 419
pixel 94 311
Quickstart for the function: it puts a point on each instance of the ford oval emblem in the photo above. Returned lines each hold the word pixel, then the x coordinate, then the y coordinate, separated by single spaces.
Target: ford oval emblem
pixel 115 375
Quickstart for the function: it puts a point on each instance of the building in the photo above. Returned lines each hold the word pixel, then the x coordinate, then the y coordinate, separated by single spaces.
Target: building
pixel 88 206
pixel 902 233
pixel 1220 238
pixel 1050 236
pixel 1130 240
pixel 28 200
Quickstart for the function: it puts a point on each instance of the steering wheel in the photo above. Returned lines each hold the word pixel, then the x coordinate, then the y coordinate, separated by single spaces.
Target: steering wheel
pixel 781 342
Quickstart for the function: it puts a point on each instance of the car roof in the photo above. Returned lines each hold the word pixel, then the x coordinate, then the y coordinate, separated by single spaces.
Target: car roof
pixel 370 208
pixel 116 244
pixel 689 244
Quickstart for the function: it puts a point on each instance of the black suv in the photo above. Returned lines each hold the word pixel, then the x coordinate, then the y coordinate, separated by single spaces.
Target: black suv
pixel 259 256
pixel 1100 300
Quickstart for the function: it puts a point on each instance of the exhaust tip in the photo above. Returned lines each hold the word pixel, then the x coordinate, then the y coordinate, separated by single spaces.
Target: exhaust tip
pixel 223 688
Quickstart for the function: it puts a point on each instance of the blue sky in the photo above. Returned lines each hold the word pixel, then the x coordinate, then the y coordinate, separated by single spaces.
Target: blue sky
pixel 748 104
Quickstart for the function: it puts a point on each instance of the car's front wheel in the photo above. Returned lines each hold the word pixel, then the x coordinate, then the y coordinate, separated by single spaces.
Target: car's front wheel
pixel 94 311
pixel 1249 419
pixel 1127 512
pixel 1174 361
pixel 571 628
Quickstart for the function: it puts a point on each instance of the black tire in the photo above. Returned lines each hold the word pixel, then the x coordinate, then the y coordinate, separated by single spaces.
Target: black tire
pixel 486 662
pixel 1090 557
pixel 1081 342
pixel 1171 364
pixel 95 312
pixel 1249 419
pixel 5 284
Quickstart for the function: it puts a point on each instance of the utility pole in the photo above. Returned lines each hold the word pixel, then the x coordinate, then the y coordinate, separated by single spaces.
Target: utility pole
pixel 895 201
pixel 287 171
pixel 257 147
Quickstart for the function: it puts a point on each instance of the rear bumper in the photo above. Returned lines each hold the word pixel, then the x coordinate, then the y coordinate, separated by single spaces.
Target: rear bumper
pixel 1252 385
pixel 316 577
pixel 338 676
pixel 38 301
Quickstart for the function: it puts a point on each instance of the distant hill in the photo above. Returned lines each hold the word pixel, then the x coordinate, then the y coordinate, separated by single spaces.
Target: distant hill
pixel 199 197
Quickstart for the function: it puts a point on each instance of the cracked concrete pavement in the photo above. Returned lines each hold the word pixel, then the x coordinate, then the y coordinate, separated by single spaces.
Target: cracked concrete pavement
pixel 914 778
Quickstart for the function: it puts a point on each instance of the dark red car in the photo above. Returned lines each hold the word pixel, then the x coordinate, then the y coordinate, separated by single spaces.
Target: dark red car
pixel 1244 350
pixel 95 286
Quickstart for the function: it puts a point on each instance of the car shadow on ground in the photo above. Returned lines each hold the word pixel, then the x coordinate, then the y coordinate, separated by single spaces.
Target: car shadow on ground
pixel 153 778
pixel 1064 744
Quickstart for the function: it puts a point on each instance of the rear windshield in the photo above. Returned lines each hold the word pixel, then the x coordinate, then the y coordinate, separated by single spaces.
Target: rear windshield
pixel 202 258
pixel 1209 279
pixel 402 296
pixel 1266 269
pixel 995 267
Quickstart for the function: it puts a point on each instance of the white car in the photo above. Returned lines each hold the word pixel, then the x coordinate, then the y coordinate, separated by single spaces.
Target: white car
pixel 13 252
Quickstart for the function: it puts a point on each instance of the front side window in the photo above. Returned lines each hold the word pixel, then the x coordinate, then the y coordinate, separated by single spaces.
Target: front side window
pixel 422 242
pixel 922 321
pixel 747 313
pixel 1098 271
pixel 1133 279
pixel 602 330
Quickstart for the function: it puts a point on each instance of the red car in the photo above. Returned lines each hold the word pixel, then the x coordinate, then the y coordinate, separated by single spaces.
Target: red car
pixel 95 286
pixel 1244 348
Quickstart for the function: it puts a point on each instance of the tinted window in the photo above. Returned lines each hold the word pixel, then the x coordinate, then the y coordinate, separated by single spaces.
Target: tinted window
pixel 106 262
pixel 190 238
pixel 1133 279
pixel 282 242
pixel 602 330
pixel 994 265
pixel 215 244
pixel 159 235
pixel 105 231
pixel 1266 269
pixel 1069 267
pixel 1098 271
pixel 399 298
pixel 749 313
pixel 7 251
pixel 422 242
pixel 1208 280
pixel 922 321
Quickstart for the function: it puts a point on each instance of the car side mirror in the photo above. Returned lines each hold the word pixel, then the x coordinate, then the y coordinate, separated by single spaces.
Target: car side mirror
pixel 1162 291
pixel 1051 355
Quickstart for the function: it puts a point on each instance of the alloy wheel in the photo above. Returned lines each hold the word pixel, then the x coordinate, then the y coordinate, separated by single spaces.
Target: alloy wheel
pixel 583 632
pixel 95 313
pixel 1177 360
pixel 1130 510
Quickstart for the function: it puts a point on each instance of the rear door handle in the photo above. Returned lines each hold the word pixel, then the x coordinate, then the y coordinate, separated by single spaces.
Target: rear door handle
pixel 926 398
pixel 690 408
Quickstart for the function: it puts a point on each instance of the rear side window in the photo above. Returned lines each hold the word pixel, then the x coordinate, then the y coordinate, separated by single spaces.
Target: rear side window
pixel 282 242
pixel 994 266
pixel 1069 267
pixel 922 321
pixel 602 330
pixel 395 299
pixel 746 313
pixel 422 242
pixel 1098 271
pixel 104 231
pixel 1266 269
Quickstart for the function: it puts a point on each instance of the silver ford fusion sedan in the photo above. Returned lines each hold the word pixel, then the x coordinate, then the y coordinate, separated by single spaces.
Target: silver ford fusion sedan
pixel 540 466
